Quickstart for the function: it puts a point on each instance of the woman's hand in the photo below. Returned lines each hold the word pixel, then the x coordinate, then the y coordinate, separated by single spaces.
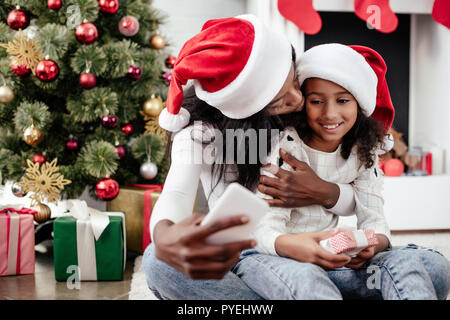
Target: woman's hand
pixel 305 247
pixel 298 188
pixel 182 245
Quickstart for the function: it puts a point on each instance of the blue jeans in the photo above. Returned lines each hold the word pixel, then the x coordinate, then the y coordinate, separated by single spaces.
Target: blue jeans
pixel 403 273
pixel 167 283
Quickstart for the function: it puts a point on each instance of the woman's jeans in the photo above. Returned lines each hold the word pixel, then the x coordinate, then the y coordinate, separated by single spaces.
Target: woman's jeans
pixel 403 273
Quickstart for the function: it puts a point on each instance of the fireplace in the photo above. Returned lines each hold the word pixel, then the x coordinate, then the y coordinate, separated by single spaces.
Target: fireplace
pixel 347 28
pixel 419 80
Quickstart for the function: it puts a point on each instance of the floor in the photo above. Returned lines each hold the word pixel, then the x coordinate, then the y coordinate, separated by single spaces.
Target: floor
pixel 43 286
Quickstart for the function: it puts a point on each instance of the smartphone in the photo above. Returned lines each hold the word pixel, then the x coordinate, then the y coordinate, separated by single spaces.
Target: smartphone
pixel 236 200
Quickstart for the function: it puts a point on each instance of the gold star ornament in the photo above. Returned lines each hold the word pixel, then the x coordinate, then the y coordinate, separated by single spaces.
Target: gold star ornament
pixel 24 51
pixel 44 181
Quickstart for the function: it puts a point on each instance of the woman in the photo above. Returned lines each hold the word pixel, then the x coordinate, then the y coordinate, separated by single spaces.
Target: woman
pixel 245 71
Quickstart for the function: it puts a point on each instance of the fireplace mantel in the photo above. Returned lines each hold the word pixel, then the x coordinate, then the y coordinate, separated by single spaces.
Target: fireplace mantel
pixel 411 203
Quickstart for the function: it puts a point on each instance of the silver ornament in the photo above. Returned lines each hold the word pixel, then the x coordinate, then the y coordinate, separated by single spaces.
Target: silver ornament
pixel 17 190
pixel 6 94
pixel 148 170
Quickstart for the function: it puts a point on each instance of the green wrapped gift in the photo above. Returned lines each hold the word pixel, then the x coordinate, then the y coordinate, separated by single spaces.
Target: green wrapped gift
pixel 89 245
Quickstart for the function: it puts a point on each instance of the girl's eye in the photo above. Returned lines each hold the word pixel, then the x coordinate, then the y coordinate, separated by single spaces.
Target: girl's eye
pixel 342 101
pixel 314 101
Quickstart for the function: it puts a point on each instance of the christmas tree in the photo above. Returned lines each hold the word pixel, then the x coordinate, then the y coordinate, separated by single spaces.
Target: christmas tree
pixel 83 81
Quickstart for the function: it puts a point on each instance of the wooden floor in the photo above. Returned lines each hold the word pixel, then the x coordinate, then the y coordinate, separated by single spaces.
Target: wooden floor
pixel 43 286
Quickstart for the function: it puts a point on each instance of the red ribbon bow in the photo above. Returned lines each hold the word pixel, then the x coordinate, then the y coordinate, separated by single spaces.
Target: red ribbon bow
pixel 146 239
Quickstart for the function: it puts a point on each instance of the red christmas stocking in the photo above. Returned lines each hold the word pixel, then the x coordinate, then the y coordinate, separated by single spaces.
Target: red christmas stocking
pixel 377 13
pixel 441 12
pixel 302 13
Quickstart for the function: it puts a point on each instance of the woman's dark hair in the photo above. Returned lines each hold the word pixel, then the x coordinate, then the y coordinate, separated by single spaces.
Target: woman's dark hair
pixel 367 134
pixel 247 173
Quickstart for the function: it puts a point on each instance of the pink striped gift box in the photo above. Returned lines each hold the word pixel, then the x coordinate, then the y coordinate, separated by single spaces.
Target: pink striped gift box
pixel 350 242
pixel 16 243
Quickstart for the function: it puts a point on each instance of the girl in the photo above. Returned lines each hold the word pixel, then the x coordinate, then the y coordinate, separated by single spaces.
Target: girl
pixel 241 69
pixel 344 86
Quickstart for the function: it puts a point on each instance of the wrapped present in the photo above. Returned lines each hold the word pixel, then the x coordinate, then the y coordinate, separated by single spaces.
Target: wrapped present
pixel 350 242
pixel 137 201
pixel 89 244
pixel 16 240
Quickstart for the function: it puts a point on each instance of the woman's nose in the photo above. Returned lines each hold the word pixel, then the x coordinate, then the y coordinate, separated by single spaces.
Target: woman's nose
pixel 294 97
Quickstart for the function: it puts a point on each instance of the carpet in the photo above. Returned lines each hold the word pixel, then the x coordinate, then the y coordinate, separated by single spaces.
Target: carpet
pixel 139 289
pixel 437 240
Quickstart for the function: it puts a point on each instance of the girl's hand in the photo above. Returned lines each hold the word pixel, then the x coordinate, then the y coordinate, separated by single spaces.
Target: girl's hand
pixel 304 247
pixel 363 256
pixel 182 245
pixel 298 188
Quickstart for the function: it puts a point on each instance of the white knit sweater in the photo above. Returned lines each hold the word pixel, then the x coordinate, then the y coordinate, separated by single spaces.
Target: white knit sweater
pixel 178 196
pixel 367 185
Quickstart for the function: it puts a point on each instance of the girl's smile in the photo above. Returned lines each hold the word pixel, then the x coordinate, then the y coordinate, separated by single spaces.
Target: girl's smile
pixel 331 112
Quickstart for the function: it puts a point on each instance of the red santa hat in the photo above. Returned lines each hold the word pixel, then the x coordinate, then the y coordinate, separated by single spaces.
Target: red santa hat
pixel 360 70
pixel 238 66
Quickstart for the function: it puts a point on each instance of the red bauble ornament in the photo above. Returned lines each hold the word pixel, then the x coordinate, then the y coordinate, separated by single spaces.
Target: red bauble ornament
pixel 134 72
pixel 54 4
pixel 86 33
pixel 87 80
pixel 47 70
pixel 18 19
pixel 72 145
pixel 108 6
pixel 39 158
pixel 167 76
pixel 107 189
pixel 170 61
pixel 127 129
pixel 20 70
pixel 394 168
pixel 120 150
pixel 110 121
pixel 128 26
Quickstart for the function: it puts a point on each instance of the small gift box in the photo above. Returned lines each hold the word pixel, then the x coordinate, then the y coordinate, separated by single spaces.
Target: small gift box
pixel 16 240
pixel 89 244
pixel 350 242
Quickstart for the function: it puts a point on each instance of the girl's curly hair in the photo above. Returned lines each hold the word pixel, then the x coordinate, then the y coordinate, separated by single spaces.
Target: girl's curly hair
pixel 367 134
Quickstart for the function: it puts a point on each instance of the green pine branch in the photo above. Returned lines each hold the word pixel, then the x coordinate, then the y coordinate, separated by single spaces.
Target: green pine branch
pixel 148 144
pixel 28 113
pixel 93 104
pixel 99 159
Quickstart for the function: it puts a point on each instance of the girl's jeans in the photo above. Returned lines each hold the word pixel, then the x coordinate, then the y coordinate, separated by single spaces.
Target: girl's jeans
pixel 409 272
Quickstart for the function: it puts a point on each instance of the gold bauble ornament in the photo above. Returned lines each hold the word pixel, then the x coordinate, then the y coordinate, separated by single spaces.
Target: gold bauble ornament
pixel 32 135
pixel 6 94
pixel 43 212
pixel 153 106
pixel 157 42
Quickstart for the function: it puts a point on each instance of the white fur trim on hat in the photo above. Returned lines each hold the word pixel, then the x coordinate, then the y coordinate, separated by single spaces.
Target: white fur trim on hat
pixel 261 79
pixel 174 122
pixel 344 66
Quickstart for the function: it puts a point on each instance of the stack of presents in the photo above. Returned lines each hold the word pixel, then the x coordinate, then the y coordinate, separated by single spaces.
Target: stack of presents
pixel 87 243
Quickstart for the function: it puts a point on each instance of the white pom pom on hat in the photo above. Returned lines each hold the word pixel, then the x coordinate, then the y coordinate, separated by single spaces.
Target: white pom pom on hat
pixel 238 66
